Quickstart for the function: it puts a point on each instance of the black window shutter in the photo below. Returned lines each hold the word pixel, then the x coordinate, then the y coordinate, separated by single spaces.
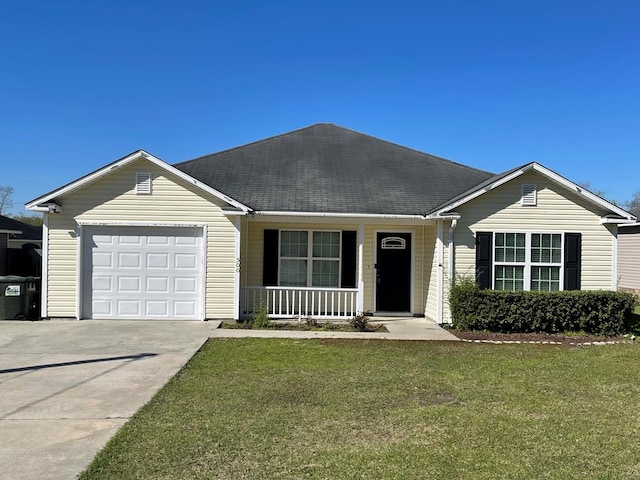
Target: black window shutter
pixel 270 258
pixel 349 257
pixel 572 260
pixel 484 259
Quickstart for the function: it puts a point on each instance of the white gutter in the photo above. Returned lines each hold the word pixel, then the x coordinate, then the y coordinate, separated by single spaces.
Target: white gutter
pixel 339 215
pixel 618 221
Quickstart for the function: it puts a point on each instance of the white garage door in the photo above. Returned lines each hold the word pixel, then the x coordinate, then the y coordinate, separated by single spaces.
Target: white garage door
pixel 142 273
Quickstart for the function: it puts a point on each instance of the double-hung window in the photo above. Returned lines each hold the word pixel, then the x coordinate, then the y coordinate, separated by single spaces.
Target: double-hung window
pixel 527 261
pixel 310 258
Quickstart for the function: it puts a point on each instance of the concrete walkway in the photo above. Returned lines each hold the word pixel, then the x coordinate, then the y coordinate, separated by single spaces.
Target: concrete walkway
pixel 400 328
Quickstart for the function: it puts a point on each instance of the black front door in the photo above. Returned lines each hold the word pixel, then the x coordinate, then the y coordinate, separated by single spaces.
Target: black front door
pixel 393 272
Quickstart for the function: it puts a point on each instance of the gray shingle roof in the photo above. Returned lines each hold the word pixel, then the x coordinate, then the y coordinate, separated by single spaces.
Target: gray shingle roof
pixel 326 168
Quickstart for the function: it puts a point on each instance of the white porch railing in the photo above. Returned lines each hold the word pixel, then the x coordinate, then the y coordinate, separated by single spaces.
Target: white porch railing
pixel 300 302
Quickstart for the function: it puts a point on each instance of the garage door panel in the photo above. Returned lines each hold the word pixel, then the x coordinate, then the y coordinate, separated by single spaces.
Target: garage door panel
pixel 157 285
pixel 143 272
pixel 158 260
pixel 129 260
pixel 129 285
pixel 103 240
pixel 102 284
pixel 185 285
pixel 157 308
pixel 184 309
pixel 102 259
pixel 185 261
pixel 129 240
pixel 186 241
pixel 128 308
pixel 102 307
pixel 159 240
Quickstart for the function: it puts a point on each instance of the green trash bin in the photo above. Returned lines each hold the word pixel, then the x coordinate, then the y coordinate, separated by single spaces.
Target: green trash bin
pixel 13 298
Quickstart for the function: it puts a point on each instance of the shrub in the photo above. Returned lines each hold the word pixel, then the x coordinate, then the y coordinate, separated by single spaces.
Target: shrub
pixel 594 312
pixel 360 322
pixel 260 317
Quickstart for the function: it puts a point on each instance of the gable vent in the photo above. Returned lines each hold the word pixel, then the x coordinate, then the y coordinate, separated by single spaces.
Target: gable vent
pixel 529 195
pixel 143 183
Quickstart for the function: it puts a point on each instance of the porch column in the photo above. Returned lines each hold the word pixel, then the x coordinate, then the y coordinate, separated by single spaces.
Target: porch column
pixel 360 300
pixel 237 222
pixel 440 286
pixel 44 278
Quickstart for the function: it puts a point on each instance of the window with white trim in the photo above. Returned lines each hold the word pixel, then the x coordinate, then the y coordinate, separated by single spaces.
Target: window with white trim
pixel 527 261
pixel 310 258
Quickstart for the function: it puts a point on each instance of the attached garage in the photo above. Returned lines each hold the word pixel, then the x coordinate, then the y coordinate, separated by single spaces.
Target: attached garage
pixel 142 272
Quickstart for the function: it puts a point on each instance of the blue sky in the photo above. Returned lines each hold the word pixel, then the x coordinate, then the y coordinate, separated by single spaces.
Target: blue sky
pixel 491 84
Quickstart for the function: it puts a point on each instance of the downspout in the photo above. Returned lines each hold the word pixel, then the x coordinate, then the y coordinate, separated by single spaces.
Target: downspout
pixel 614 273
pixel 452 227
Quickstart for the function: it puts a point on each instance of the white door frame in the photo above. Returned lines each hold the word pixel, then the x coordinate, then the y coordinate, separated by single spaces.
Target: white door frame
pixel 411 232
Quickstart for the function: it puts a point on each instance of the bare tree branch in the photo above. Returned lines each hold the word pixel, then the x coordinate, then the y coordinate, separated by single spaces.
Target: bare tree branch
pixel 5 198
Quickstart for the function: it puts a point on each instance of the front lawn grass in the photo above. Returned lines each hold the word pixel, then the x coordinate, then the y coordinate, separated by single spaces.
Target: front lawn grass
pixel 346 409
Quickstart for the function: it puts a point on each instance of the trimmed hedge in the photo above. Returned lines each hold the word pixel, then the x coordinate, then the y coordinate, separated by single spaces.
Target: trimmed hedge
pixel 595 312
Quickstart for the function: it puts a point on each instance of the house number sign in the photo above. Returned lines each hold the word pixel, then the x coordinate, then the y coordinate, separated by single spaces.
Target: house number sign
pixel 12 291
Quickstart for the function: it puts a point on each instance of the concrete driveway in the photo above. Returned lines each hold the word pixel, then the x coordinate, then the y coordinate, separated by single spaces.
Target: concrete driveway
pixel 66 387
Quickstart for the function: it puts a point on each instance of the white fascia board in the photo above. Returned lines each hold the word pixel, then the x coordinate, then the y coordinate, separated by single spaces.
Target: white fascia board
pixel 339 215
pixel 40 204
pixel 581 191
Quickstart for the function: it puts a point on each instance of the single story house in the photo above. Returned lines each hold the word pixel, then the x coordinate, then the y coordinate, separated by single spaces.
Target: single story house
pixel 19 247
pixel 323 222
pixel 629 256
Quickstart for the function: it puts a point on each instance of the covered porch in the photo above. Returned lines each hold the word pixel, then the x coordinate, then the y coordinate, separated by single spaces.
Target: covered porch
pixel 334 268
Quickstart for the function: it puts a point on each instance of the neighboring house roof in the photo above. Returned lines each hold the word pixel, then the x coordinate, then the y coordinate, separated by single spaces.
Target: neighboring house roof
pixel 326 168
pixel 19 230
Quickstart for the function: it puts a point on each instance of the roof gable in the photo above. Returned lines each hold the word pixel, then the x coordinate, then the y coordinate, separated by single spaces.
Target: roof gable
pixel 329 169
pixel 45 202
pixel 447 208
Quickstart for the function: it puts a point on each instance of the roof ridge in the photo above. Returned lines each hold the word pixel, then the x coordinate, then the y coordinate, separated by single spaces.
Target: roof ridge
pixel 230 149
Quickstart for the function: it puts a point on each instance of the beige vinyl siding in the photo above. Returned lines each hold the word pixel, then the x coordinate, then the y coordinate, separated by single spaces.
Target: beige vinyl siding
pixel 252 251
pixel 113 199
pixel 557 210
pixel 629 258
